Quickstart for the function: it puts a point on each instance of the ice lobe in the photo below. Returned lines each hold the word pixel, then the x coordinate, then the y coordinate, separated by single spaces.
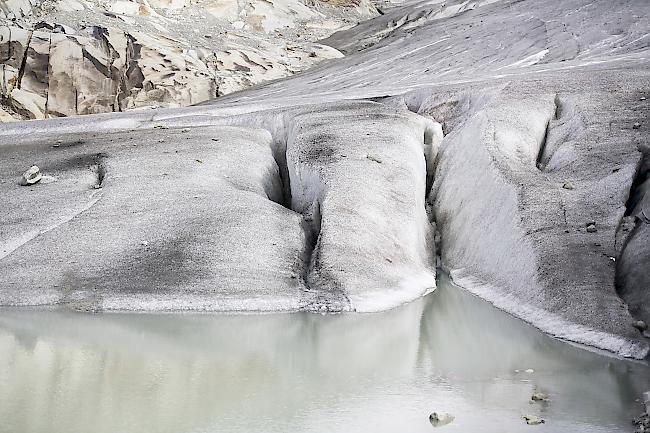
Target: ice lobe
pixel 361 187
pixel 513 236
pixel 175 229
pixel 294 216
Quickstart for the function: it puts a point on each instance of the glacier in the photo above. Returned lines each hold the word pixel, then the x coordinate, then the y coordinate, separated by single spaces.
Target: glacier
pixel 501 140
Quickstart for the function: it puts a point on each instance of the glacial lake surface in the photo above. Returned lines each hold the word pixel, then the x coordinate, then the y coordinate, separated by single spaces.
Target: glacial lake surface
pixel 66 372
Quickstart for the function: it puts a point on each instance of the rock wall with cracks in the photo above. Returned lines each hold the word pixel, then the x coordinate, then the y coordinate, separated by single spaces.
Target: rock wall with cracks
pixel 68 57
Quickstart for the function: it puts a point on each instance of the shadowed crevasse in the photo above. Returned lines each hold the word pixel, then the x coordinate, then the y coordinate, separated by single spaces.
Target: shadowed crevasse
pixel 632 276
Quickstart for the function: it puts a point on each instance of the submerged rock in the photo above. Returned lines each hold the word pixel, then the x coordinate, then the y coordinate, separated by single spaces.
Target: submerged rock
pixel 540 396
pixel 438 419
pixel 533 420
pixel 642 423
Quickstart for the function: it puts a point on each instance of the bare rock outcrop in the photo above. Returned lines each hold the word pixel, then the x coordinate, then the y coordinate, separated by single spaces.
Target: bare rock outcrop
pixel 68 57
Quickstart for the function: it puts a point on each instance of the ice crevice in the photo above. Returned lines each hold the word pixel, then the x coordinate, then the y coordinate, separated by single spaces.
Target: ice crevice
pixel 563 125
pixel 300 192
pixel 632 278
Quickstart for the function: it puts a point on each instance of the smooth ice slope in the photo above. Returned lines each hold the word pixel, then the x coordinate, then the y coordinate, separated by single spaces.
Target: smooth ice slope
pixel 167 228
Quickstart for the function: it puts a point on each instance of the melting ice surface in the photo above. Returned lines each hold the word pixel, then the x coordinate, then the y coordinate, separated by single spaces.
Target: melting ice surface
pixel 121 373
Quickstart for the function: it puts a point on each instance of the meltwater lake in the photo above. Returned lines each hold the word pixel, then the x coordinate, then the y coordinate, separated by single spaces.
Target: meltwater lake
pixel 67 372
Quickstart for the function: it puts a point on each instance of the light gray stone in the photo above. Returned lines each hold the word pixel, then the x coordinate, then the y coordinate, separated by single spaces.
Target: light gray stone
pixel 31 176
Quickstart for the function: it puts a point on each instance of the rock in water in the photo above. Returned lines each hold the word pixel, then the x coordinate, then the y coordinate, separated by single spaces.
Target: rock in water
pixel 438 419
pixel 533 420
pixel 539 396
pixel 31 176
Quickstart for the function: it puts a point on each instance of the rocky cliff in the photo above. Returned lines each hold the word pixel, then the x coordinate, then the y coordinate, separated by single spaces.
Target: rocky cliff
pixel 67 57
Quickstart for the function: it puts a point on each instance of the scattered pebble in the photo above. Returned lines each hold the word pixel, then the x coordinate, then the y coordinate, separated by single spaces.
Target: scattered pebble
pixel 567 185
pixel 591 228
pixel 539 396
pixel 374 158
pixel 529 370
pixel 533 420
pixel 636 125
pixel 438 419
pixel 144 243
pixel 642 98
pixel 642 423
pixel 185 130
pixel 640 325
pixel 31 176
pixel 199 161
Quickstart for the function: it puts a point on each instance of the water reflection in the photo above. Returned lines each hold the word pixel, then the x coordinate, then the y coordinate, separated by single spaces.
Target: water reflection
pixel 67 372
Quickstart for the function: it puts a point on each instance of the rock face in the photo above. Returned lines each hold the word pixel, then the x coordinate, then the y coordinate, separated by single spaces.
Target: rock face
pixel 516 149
pixel 55 74
pixel 129 54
